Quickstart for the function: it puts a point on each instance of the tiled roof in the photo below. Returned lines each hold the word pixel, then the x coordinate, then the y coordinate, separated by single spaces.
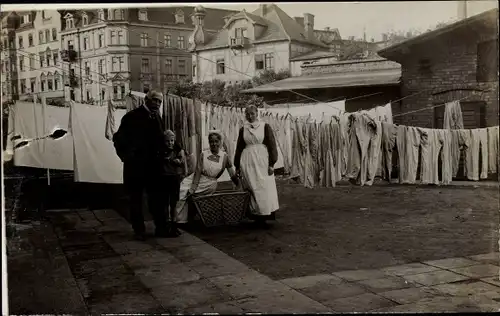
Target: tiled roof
pixel 383 77
pixel 214 19
pixel 314 55
pixel 279 26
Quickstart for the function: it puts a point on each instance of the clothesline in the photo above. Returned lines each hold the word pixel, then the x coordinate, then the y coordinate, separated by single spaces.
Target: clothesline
pixel 429 107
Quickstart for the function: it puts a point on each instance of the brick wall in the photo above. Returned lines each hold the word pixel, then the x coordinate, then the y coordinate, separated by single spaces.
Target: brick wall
pixel 451 65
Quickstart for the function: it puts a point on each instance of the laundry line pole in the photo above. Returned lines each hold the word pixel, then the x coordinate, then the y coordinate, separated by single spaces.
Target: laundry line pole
pixel 44 104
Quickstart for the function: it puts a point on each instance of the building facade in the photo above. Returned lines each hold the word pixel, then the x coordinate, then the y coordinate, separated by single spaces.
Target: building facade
pixel 10 22
pixel 250 43
pixel 462 65
pixel 113 51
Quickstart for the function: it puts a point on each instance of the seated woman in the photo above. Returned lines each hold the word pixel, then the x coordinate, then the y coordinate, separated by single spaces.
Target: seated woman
pixel 203 181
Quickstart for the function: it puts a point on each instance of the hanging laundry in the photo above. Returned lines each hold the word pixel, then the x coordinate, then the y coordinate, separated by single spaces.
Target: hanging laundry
pixel 493 145
pixel 362 129
pixel 408 141
pixel 431 147
pixel 374 152
pixel 453 116
pixel 337 148
pixel 478 145
pixel 463 139
pixel 308 163
pixel 388 144
pixel 483 141
pixel 444 137
pixel 110 121
pixel 345 139
pixel 300 152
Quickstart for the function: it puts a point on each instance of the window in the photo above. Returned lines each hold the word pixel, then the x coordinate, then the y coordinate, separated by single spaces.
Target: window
pixel 145 65
pixel 69 23
pixel 120 37
pixel 32 61
pixel 56 83
pixel 144 39
pixel 72 94
pixel 143 15
pixel 54 34
pixel 118 14
pixel 21 64
pixel 168 66
pixel 100 66
pixel 180 42
pixel 50 84
pixel 194 70
pixel 21 42
pixel 181 67
pixel 86 43
pixel 44 14
pixel 115 64
pixel 100 40
pixel 269 61
pixel 118 92
pixel 221 68
pixel 23 86
pixel 101 15
pixel 32 85
pixel 89 94
pixel 42 84
pixel 30 40
pixel 122 63
pixel 264 61
pixel 103 93
pixel 47 57
pixel 113 37
pixel 85 20
pixel 41 59
pixel 47 35
pixel 179 17
pixel 26 18
pixel 87 69
pixel 55 57
pixel 240 32
pixel 487 61
pixel 167 40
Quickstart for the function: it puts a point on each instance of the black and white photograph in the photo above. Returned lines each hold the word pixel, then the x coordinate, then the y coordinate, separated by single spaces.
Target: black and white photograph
pixel 237 158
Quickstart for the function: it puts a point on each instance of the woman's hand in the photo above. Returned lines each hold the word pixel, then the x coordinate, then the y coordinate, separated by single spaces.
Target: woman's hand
pixel 270 171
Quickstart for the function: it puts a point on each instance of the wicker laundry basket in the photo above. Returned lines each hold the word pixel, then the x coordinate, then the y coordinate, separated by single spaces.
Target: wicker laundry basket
pixel 227 208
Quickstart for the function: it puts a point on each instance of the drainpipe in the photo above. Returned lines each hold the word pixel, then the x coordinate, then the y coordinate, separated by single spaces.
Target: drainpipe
pixel 80 57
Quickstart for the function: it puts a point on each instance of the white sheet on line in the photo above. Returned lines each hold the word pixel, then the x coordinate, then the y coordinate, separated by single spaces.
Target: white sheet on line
pixel 95 156
pixel 317 110
pixel 48 153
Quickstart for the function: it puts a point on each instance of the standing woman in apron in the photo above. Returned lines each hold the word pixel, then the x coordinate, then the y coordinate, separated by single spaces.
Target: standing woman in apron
pixel 255 156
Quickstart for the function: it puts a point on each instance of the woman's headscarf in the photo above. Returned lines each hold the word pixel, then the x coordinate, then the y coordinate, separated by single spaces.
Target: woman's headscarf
pixel 256 123
pixel 216 132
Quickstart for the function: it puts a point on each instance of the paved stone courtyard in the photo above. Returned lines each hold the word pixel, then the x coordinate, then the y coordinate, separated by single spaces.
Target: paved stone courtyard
pixel 83 262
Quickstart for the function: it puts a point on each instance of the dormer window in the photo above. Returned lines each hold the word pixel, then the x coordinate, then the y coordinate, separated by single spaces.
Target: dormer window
pixel 70 22
pixel 118 14
pixel 143 15
pixel 179 17
pixel 27 18
pixel 85 20
pixel 100 15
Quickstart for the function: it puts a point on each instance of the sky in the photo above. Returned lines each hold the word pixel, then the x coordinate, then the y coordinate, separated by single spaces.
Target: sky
pixel 351 18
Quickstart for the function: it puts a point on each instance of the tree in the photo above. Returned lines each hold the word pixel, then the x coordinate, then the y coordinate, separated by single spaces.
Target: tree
pixel 269 75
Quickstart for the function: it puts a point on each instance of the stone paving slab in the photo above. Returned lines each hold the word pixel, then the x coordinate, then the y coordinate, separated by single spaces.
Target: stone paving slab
pixel 446 304
pixel 148 258
pixel 182 296
pixel 409 269
pixel 451 263
pixel 478 271
pixel 435 277
pixel 492 280
pixel 166 274
pixel 126 303
pixel 410 295
pixel 489 258
pixel 308 281
pixel 360 303
pixel 469 288
pixel 332 289
pixel 359 275
pixel 386 284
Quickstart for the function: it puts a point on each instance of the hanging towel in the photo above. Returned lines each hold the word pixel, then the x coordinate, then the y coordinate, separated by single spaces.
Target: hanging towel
pixel 408 142
pixel 483 142
pixel 374 152
pixel 472 154
pixel 110 128
pixel 388 143
pixel 444 137
pixel 431 146
pixel 493 140
pixel 453 116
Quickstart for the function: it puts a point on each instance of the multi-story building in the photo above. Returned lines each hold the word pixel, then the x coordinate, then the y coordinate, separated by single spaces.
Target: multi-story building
pixel 10 21
pixel 250 43
pixel 39 67
pixel 113 51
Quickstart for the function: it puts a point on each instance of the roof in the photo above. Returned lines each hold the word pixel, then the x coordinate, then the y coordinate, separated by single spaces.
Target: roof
pixel 214 19
pixel 490 16
pixel 384 77
pixel 279 26
pixel 314 55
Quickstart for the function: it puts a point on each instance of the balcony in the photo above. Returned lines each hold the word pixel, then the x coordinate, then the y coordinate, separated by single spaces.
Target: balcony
pixel 68 55
pixel 239 42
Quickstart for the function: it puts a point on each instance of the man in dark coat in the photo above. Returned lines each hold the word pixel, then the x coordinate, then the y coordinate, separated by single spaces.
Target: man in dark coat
pixel 140 144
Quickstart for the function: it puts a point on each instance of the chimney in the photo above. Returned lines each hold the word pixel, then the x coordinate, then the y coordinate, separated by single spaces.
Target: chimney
pixel 262 10
pixel 309 25
pixel 299 20
pixel 462 9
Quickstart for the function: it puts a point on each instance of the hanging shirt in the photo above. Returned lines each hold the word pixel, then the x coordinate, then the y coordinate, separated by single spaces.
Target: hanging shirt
pixel 453 116
pixel 374 152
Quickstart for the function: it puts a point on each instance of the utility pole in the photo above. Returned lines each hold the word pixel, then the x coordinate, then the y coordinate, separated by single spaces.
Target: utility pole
pixel 80 58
